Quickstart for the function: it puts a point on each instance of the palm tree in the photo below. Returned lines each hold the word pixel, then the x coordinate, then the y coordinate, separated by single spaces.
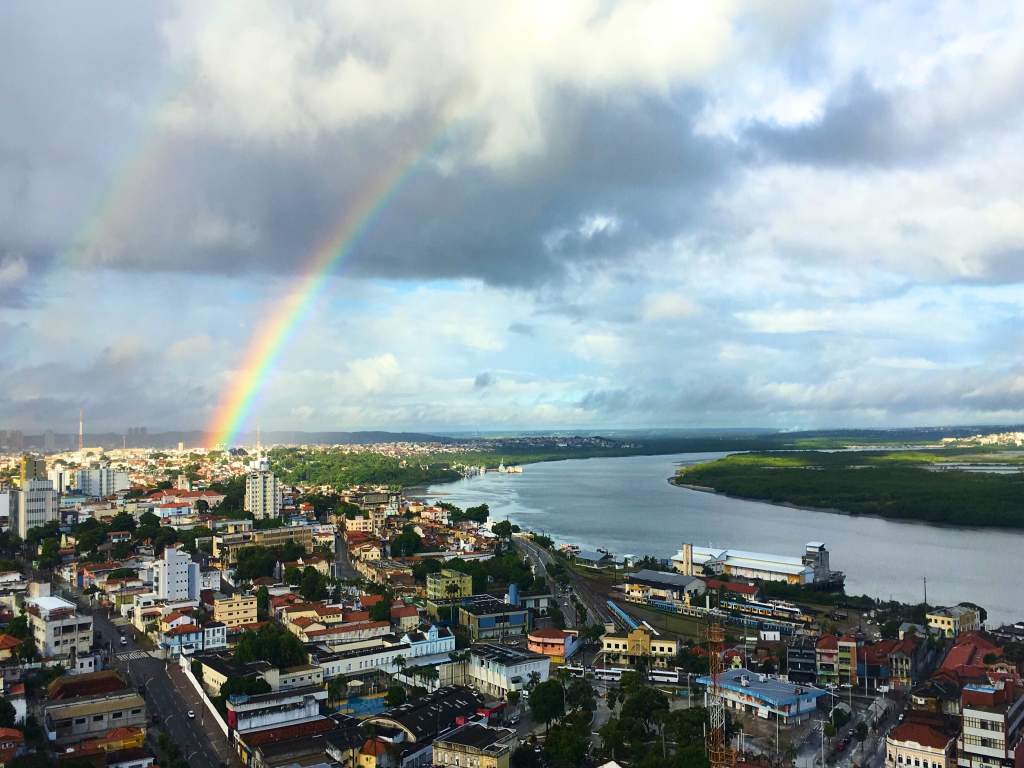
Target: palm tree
pixel 400 664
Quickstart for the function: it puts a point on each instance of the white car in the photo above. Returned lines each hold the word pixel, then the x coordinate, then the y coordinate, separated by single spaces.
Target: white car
pixel 191 715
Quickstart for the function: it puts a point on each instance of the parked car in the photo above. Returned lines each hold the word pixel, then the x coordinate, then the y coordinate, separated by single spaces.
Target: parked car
pixel 191 715
pixel 124 640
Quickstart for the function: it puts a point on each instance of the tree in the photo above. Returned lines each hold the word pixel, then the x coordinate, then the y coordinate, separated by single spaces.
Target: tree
pixel 860 732
pixel 547 702
pixel 272 643
pixel 293 575
pixel 502 529
pixel 395 696
pixel 381 610
pixel 890 630
pixel 579 694
pixel 262 603
pixel 406 544
pixel 313 585
pixel 513 697
pixel 7 714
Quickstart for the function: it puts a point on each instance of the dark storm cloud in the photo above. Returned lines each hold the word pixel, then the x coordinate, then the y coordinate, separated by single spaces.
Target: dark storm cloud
pixel 859 126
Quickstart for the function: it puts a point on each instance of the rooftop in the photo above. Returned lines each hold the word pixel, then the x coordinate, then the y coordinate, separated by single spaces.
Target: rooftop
pixel 658 578
pixel 774 692
pixel 484 605
pixel 480 737
pixel 504 654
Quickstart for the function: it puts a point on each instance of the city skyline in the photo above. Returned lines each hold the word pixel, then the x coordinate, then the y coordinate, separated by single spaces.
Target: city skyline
pixel 353 217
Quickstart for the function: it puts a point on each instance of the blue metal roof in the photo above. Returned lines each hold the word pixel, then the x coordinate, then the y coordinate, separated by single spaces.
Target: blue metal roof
pixel 774 692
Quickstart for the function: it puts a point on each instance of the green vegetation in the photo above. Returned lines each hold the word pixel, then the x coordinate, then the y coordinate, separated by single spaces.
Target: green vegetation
pixel 256 561
pixel 272 643
pixel 342 468
pixel 498 571
pixel 644 732
pixel 910 485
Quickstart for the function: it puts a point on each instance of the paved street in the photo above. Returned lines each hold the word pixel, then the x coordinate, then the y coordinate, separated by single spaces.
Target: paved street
pixel 342 564
pixel 168 695
pixel 541 559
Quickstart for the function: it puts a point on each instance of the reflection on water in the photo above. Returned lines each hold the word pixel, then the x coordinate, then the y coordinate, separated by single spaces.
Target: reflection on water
pixel 626 505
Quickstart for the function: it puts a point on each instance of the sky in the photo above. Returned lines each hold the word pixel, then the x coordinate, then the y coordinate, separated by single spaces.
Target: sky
pixel 656 214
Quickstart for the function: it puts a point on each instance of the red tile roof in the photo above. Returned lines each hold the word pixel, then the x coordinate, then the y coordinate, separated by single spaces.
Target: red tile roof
pixel 925 734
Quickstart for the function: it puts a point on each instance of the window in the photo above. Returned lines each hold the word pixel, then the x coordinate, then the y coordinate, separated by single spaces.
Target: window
pixel 97 718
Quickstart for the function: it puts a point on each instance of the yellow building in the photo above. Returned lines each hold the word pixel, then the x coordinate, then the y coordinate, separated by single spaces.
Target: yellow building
pixel 625 649
pixel 475 745
pixel 920 741
pixel 235 610
pixel 953 621
pixel 448 585
pixel 32 468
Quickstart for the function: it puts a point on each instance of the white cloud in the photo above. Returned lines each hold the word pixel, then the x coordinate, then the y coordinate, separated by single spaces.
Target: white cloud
pixel 191 348
pixel 602 347
pixel 13 268
pixel 668 306
pixel 373 374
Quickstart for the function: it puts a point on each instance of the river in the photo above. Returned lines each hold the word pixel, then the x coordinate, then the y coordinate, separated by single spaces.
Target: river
pixel 627 506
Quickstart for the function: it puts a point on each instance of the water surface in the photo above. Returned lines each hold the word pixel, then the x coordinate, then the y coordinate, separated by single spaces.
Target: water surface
pixel 625 505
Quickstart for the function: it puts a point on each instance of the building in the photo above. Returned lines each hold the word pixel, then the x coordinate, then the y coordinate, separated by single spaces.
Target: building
pixel 423 718
pixel 593 559
pixel 263 495
pixel 921 741
pixel 846 660
pixel 953 621
pixel 31 468
pixel 449 585
pixel 802 661
pixel 34 505
pixel 766 697
pixel 101 481
pixel 175 576
pixel 992 716
pixel 476 746
pixel 624 649
pixel 236 610
pixel 694 561
pixel 275 709
pixel 58 630
pixel 827 659
pixel 497 669
pixel 559 645
pixel 86 717
pixel 487 618
pixel 665 590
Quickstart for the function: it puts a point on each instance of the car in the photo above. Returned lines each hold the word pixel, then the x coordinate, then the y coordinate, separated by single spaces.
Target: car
pixel 124 640
pixel 191 715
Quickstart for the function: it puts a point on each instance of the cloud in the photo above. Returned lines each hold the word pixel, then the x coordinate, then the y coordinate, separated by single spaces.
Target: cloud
pixel 372 374
pixel 668 306
pixel 13 269
pixel 483 380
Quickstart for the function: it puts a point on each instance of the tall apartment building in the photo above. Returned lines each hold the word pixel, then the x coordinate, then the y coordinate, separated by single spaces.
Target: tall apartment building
pixel 101 480
pixel 262 491
pixel 176 577
pixel 32 468
pixel 57 628
pixel 34 505
pixel 61 479
pixel 993 716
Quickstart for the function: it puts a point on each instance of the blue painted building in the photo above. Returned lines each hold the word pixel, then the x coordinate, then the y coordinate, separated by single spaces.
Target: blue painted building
pixel 766 697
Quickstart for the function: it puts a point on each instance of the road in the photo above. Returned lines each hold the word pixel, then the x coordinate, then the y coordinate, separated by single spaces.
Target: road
pixel 541 560
pixel 342 564
pixel 168 695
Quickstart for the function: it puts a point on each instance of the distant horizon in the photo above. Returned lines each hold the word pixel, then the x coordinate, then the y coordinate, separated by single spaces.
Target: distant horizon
pixel 468 434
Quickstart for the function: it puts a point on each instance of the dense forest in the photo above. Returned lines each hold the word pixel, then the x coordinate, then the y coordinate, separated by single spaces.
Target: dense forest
pixel 914 485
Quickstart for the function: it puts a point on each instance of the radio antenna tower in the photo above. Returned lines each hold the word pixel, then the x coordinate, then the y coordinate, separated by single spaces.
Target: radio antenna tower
pixel 720 755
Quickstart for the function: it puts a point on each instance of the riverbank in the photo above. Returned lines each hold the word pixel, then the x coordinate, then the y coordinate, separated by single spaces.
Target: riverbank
pixel 626 506
pixel 877 484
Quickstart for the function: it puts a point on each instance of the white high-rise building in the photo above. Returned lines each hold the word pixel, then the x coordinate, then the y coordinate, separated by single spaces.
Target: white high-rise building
pixel 176 577
pixel 61 479
pixel 262 491
pixel 101 481
pixel 36 505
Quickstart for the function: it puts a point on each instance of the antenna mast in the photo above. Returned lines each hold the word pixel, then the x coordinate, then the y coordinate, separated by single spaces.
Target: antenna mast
pixel 720 755
pixel 81 429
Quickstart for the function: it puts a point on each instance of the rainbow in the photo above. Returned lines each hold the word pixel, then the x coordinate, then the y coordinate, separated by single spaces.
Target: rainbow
pixel 270 338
